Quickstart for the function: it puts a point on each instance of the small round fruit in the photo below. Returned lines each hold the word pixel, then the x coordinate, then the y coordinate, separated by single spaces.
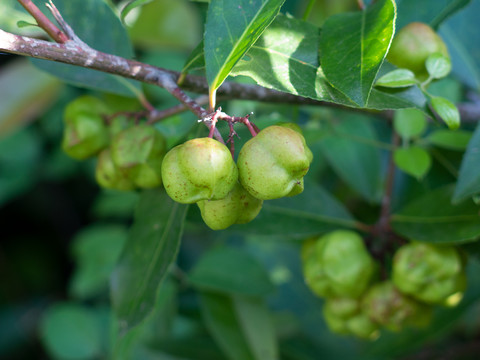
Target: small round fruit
pixel 109 176
pixel 139 151
pixel 389 307
pixel 412 46
pixel 85 132
pixel 272 164
pixel 339 265
pixel 238 207
pixel 199 169
pixel 429 273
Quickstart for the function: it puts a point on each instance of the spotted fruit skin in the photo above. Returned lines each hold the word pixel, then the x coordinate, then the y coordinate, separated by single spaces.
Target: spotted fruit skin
pixel 238 207
pixel 339 265
pixel 272 164
pixel 139 151
pixel 412 45
pixel 85 132
pixel 199 169
pixel 109 176
pixel 428 272
pixel 389 307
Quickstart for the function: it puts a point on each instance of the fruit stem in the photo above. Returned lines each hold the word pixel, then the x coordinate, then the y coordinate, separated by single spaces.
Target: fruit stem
pixel 308 10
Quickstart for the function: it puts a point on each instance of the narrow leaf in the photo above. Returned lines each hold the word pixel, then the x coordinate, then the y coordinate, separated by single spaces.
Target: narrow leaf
pixel 413 160
pixel 353 47
pixel 447 111
pixel 232 271
pixel 432 218
pixel 241 326
pixel 22 24
pixel 468 183
pixel 438 65
pixel 397 78
pixel 449 139
pixel 132 5
pixel 151 248
pixel 232 28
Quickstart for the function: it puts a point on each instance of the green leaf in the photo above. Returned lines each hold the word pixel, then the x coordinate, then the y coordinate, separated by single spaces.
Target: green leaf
pixel 132 5
pixel 312 212
pixel 409 123
pixel 432 218
pixel 463 41
pixel 413 160
pixel 71 332
pixel 353 47
pixel 232 27
pixel 397 78
pixel 96 250
pixel 438 65
pixel 22 24
pixel 447 111
pixel 231 271
pixel 468 183
pixel 89 18
pixel 151 248
pixel 241 326
pixel 13 13
pixel 196 59
pixel 350 150
pixel 450 139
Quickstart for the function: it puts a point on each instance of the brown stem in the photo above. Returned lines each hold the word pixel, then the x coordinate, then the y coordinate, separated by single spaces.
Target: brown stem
pixel 42 21
pixel 157 115
pixel 361 4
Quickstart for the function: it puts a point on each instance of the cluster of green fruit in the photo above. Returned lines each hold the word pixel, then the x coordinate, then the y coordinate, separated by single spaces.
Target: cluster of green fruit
pixel 339 268
pixel 271 165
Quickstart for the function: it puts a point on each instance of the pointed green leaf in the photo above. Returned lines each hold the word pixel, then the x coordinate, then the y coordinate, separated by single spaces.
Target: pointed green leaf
pixel 438 65
pixel 350 150
pixel 353 47
pixel 447 111
pixel 413 160
pixel 241 326
pixel 432 218
pixel 232 28
pixel 450 139
pixel 468 183
pixel 409 123
pixel 89 18
pixel 151 248
pixel 132 5
pixel 397 78
pixel 231 271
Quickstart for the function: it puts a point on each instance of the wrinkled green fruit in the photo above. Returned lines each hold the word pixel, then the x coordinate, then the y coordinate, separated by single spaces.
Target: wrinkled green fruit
pixel 109 176
pixel 139 151
pixel 272 164
pixel 85 132
pixel 344 316
pixel 412 45
pixel 199 169
pixel 429 273
pixel 339 265
pixel 238 207
pixel 389 307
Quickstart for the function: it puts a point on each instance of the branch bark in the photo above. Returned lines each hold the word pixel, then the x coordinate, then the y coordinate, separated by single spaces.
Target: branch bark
pixel 73 53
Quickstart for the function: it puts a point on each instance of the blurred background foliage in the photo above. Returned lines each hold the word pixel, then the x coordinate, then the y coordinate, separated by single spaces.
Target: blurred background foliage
pixel 62 235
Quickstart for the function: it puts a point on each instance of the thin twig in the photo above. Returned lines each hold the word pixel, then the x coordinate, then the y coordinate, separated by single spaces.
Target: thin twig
pixel 158 115
pixel 308 10
pixel 42 21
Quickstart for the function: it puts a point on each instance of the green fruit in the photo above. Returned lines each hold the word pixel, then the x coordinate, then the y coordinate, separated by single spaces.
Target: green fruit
pixel 200 169
pixel 412 45
pixel 429 273
pixel 339 265
pixel 389 307
pixel 85 132
pixel 139 151
pixel 238 207
pixel 272 164
pixel 109 176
